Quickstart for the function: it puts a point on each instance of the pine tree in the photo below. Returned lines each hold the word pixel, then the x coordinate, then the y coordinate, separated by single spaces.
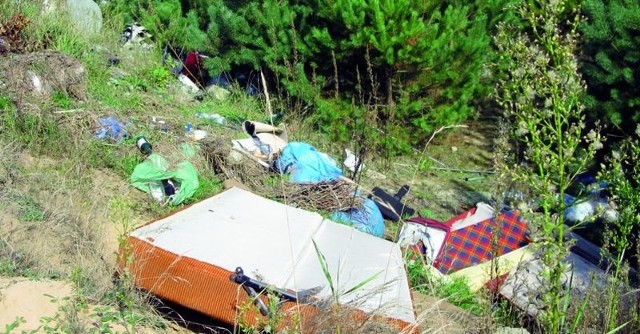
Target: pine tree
pixel 420 63
pixel 612 61
pixel 427 55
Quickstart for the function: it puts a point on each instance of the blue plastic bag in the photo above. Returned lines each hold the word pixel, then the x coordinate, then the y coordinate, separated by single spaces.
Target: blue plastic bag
pixel 367 218
pixel 111 128
pixel 306 165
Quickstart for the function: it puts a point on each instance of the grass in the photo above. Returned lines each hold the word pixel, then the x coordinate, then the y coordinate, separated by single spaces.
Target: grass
pixel 454 290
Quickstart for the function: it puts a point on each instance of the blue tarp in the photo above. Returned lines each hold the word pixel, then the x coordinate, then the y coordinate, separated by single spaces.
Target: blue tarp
pixel 306 165
pixel 367 218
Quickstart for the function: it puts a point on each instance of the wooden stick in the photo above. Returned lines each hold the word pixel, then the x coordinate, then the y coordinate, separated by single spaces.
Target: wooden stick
pixel 266 95
pixel 251 156
pixel 67 111
pixel 464 170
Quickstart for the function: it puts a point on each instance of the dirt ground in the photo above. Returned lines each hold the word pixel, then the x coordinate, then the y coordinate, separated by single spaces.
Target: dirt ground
pixel 27 301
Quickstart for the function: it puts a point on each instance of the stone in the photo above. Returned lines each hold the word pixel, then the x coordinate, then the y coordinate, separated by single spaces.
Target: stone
pixel 218 92
pixel 85 15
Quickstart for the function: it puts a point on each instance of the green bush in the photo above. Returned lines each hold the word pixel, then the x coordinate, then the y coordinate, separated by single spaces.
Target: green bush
pixel 418 65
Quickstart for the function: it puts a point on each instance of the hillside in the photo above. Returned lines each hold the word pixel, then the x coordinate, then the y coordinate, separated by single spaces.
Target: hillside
pixel 105 128
pixel 67 202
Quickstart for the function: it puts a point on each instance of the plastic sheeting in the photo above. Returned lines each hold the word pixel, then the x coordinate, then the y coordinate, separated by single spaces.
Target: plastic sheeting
pixel 305 164
pixel 111 128
pixel 155 168
pixel 367 218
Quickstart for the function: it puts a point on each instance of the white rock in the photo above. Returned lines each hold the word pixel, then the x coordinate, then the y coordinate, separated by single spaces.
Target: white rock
pixel 85 15
pixel 218 92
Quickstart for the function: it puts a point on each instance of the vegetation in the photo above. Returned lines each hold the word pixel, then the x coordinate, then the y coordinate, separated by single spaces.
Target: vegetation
pixel 542 96
pixel 619 234
pixel 611 61
pixel 378 76
pixel 420 64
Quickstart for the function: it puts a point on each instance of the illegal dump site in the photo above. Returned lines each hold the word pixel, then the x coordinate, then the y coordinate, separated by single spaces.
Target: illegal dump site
pixel 143 193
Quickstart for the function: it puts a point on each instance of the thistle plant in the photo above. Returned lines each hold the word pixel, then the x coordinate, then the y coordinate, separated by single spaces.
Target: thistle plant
pixel 541 95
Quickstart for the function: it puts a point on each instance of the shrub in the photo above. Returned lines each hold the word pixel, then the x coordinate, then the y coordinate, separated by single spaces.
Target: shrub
pixel 423 61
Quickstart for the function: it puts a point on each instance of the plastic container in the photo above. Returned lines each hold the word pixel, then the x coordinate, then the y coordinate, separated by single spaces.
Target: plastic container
pixel 212 118
pixel 157 191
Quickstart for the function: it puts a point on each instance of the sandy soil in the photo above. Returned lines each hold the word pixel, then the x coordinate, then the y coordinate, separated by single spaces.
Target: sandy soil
pixel 31 300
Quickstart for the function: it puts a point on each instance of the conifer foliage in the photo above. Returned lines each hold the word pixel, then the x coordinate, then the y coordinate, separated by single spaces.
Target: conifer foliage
pixel 421 63
pixel 612 60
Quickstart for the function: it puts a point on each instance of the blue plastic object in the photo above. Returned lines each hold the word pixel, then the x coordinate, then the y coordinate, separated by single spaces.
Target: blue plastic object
pixel 306 165
pixel 367 218
pixel 111 128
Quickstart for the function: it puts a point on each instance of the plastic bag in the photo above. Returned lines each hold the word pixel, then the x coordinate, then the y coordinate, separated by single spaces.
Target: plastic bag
pixel 149 174
pixel 111 128
pixel 306 165
pixel 367 218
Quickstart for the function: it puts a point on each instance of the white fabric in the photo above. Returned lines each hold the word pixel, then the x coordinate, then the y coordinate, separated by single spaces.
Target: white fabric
pixel 273 242
pixel 432 238
pixel 483 212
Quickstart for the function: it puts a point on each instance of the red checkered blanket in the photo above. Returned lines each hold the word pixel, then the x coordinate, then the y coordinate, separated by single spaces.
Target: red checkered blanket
pixel 478 243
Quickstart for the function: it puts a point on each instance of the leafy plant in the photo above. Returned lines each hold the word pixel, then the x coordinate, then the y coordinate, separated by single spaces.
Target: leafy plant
pixel 621 176
pixel 10 327
pixel 454 290
pixel 541 94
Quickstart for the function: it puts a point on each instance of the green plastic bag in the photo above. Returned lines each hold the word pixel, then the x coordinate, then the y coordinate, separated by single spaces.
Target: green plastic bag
pixel 149 173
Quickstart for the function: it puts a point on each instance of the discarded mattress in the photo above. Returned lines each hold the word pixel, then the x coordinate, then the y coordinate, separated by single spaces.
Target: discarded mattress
pixel 465 240
pixel 189 256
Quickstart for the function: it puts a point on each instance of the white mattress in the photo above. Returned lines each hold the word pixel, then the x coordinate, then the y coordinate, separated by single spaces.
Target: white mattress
pixel 273 242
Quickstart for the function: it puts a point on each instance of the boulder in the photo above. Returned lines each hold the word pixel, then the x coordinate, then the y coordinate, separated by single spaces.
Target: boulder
pixel 85 15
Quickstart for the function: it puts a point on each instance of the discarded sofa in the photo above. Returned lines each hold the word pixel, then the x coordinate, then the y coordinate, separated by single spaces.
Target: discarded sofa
pixel 197 257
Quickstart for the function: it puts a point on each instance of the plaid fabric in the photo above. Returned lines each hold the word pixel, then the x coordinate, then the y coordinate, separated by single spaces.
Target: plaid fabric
pixel 472 245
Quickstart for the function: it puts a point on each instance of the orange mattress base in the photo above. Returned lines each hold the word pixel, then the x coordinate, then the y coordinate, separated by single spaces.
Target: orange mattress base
pixel 207 288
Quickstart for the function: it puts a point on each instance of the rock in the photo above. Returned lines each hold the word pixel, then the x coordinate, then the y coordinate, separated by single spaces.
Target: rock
pixel 187 85
pixel 42 74
pixel 218 92
pixel 85 15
